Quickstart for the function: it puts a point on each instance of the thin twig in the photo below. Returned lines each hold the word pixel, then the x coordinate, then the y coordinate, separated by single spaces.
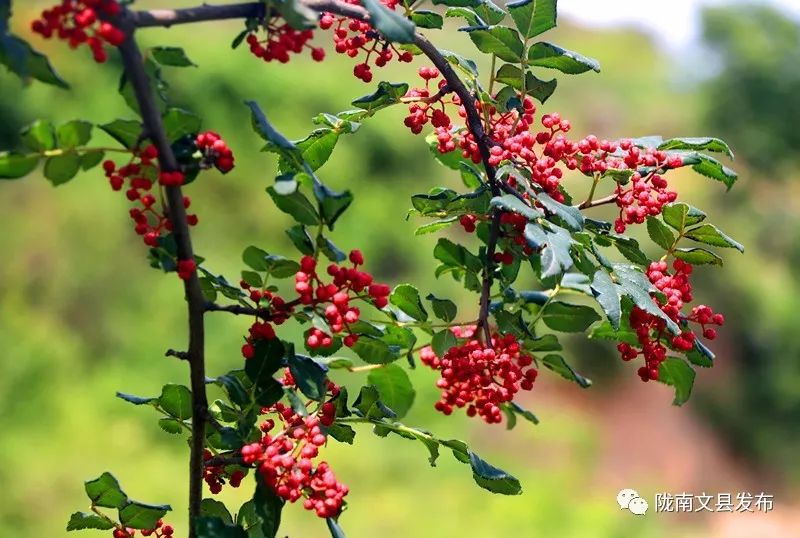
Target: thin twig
pixel 600 201
pixel 134 70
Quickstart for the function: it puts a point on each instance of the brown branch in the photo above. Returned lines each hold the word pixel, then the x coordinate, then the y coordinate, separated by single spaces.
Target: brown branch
pixel 206 12
pixel 134 71
pixel 601 201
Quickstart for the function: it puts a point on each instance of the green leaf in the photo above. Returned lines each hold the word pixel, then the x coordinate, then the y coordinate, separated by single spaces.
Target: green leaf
pixel 370 405
pixel 61 168
pixel 276 266
pixel 680 215
pixel 136 515
pixel 296 205
pixel 215 527
pixel 490 12
pixel 16 165
pixel 278 143
pixel 105 491
pixel 267 359
pixel 565 317
pixel 176 400
pixel 26 62
pixel 298 15
pixel 562 368
pixel 170 425
pixel 394 387
pixel 501 41
pixel 330 250
pixel 533 17
pixel 406 298
pixel 268 507
pixel 171 56
pixel 342 433
pixel 555 245
pixel 86 520
pixel 316 148
pixel 548 55
pixel 546 342
pixel 697 256
pixel 453 255
pixel 391 24
pixel 90 159
pixel 440 202
pixel 571 216
pixel 387 94
pixel 491 478
pixel 179 123
pixel 332 204
pixel 507 202
pixel 608 295
pixel 301 239
pixel 465 65
pixel 659 233
pixel 678 374
pixel 39 136
pixel 634 284
pixel 73 134
pixel 427 19
pixel 443 341
pixel 310 376
pixel 375 351
pixel 711 235
pixel 472 18
pixel 136 400
pixel 444 309
pixel 697 144
pixel 126 132
pixel 712 168
pixel 539 89
pixel 435 226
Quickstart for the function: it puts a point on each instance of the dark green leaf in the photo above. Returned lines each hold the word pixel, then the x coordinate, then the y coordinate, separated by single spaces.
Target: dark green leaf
pixel 547 342
pixel 571 216
pixel 608 295
pixel 334 528
pixel 501 41
pixel 406 298
pixel 317 147
pixel 444 309
pixel 332 203
pixel 136 515
pixel 136 400
pixel 697 144
pixel 511 203
pixel 544 54
pixel 533 17
pixel 90 159
pixel 176 400
pixel 443 341
pixel 680 215
pixel 375 351
pixel 427 19
pixel 215 527
pixel 298 15
pixel 562 368
pixel 712 168
pixel 387 94
pixel 391 24
pixel 490 12
pixel 301 239
pixel 296 205
pixel 171 56
pixel 330 250
pixel 179 123
pixel 268 507
pixel 86 520
pixel 634 284
pixel 465 65
pixel 310 376
pixel 394 387
pixel 170 425
pixel 659 233
pixel 105 491
pixel 267 360
pixel 16 165
pixel 370 405
pixel 565 317
pixel 126 132
pixel 73 134
pixel 678 374
pixel 697 256
pixel 20 58
pixel 472 18
pixel 491 478
pixel 711 235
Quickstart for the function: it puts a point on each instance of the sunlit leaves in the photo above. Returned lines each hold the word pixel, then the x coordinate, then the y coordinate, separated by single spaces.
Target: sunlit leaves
pixel 394 387
pixel 16 165
pixel 406 298
pixel 533 17
pixel 501 41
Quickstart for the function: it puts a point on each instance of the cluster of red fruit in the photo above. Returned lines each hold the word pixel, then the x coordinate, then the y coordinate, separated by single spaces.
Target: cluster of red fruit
pixel 78 22
pixel 423 105
pixel 281 40
pixel 481 377
pixel 650 329
pixel 348 283
pixel 352 37
pixel 285 459
pixel 160 531
pixel 276 311
pixel 215 151
pixel 216 476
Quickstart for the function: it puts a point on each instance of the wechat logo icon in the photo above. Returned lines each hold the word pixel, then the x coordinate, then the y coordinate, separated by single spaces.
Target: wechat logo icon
pixel 628 499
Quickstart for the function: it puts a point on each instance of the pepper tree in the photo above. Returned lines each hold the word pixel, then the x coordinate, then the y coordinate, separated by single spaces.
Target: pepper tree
pixel 280 407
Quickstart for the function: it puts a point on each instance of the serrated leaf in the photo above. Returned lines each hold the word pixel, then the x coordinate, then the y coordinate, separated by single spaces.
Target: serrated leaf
pixel 562 368
pixel 634 284
pixel 548 55
pixel 678 374
pixel 565 317
pixel 309 375
pixel 266 360
pixel 301 239
pixel 507 202
pixel 126 132
pixel 501 41
pixel 136 400
pixel 427 19
pixel 571 216
pixel 375 351
pixel 392 25
pixel 86 520
pixel 170 425
pixel 533 17
pixel 607 294
pixel 697 256
pixel 394 387
pixel 332 204
pixel 26 62
pixel 442 341
pixel 444 309
pixel 105 491
pixel 136 515
pixel 215 527
pixel 659 233
pixel 296 205
pixel 491 478
pixel 171 56
pixel 387 94
pixel 176 400
pixel 680 215
pixel 697 144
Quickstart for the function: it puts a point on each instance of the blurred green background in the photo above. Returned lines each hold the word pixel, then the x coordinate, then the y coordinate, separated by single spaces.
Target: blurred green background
pixel 81 314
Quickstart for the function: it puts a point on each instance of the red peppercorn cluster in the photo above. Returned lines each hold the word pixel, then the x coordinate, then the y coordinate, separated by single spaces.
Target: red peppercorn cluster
pixel 334 298
pixel 480 377
pixel 423 105
pixel 651 330
pixel 215 151
pixel 216 476
pixel 150 218
pixel 277 311
pixel 78 22
pixel 281 40
pixel 160 531
pixel 352 37
pixel 285 459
